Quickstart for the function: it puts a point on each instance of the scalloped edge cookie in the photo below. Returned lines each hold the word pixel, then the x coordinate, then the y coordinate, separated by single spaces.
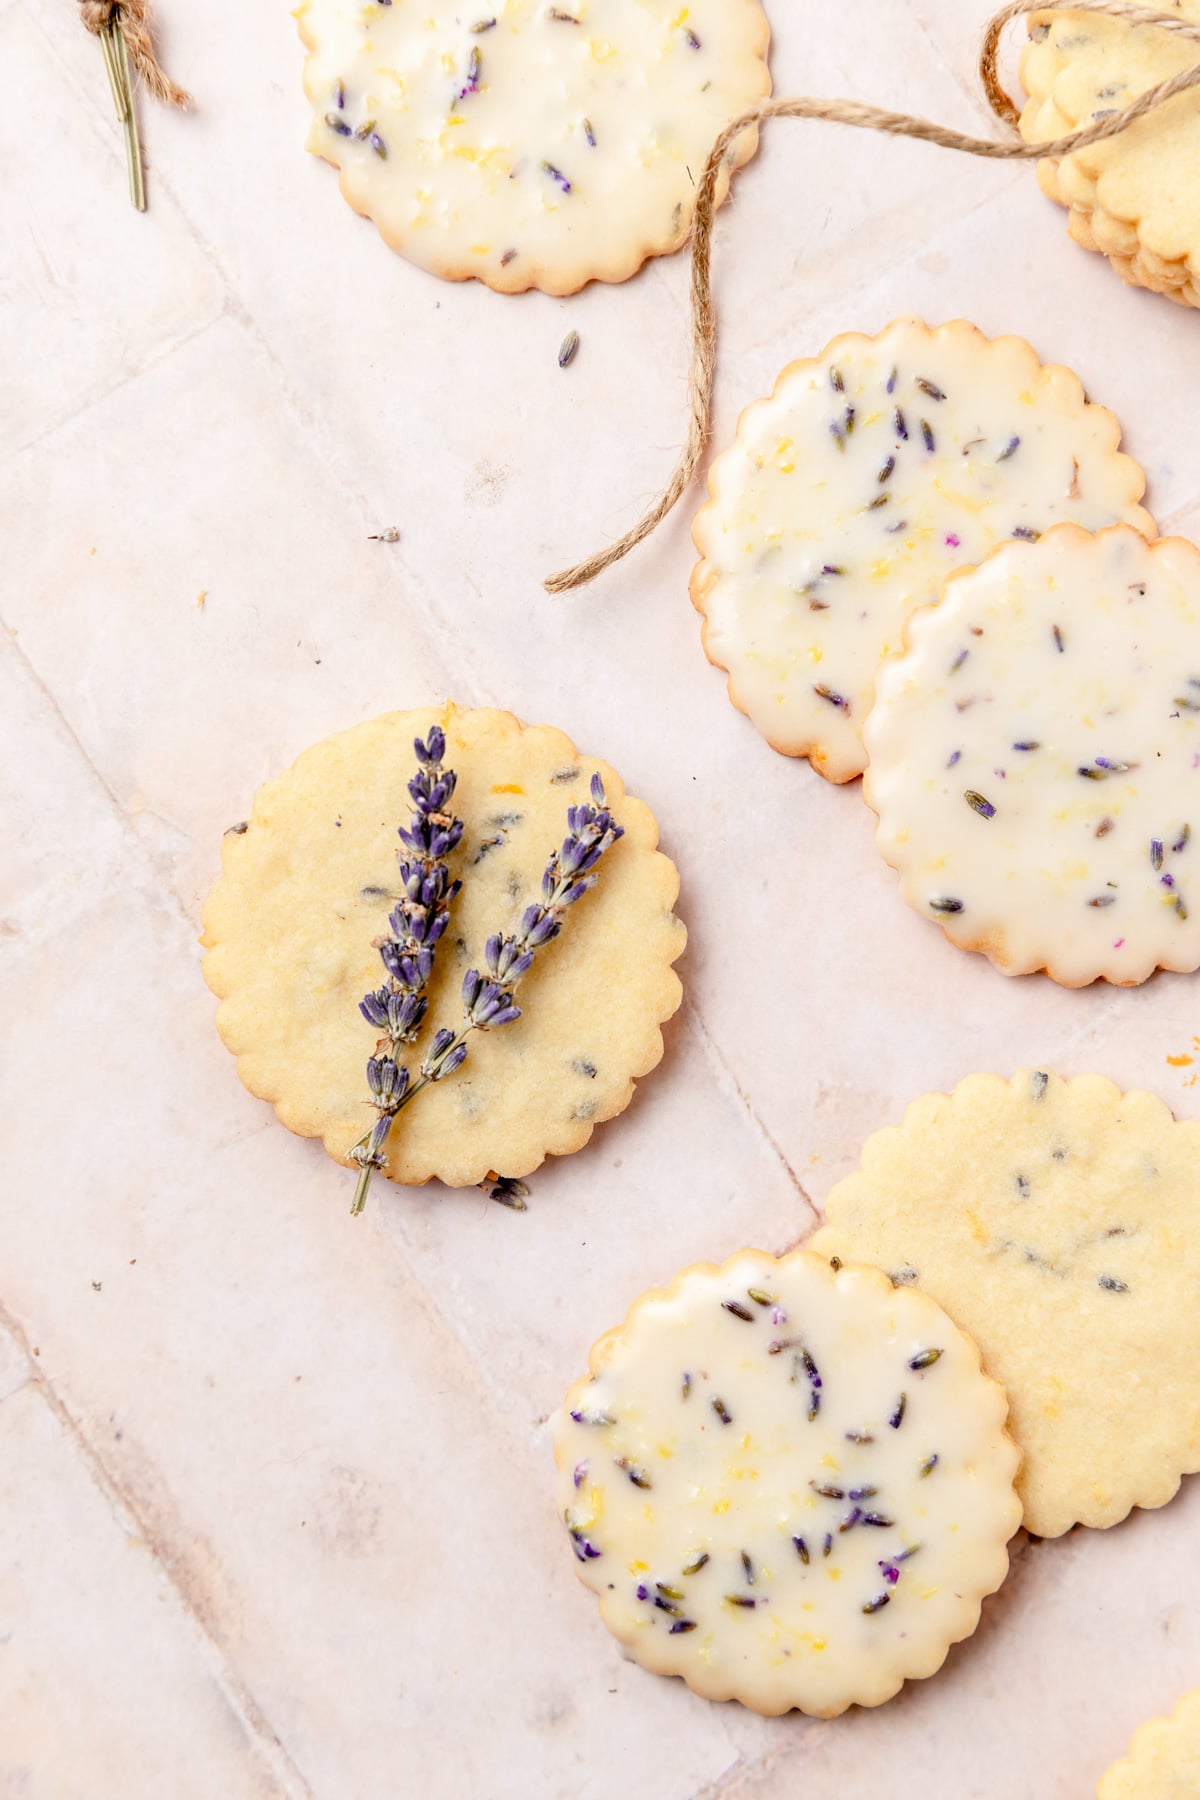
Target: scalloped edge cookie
pixel 921 1189
pixel 992 942
pixel 1152 1768
pixel 288 1026
pixel 661 1651
pixel 1140 248
pixel 576 269
pixel 1054 379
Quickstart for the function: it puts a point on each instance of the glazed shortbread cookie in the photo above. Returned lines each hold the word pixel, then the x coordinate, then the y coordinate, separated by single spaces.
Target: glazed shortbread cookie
pixel 1163 1761
pixel 790 1487
pixel 529 144
pixel 1134 198
pixel 1059 1223
pixel 307 887
pixel 869 474
pixel 1035 757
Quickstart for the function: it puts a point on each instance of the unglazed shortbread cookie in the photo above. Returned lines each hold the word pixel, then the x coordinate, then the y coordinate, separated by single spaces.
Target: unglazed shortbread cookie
pixel 1134 198
pixel 307 887
pixel 1059 1223
pixel 791 1487
pixel 870 473
pixel 1163 1761
pixel 1035 757
pixel 529 144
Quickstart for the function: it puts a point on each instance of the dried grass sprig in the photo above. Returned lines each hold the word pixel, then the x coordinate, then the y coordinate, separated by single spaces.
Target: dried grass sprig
pixel 124 32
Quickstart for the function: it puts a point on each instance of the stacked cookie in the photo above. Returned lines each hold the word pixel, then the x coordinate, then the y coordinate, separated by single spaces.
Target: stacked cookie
pixel 1029 744
pixel 1134 197
pixel 791 1481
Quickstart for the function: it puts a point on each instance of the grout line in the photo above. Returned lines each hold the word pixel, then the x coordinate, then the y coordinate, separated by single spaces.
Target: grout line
pixel 452 651
pixel 1166 526
pixel 261 1736
pixel 967 84
pixel 730 1081
pixel 728 1784
pixel 159 352
pixel 123 817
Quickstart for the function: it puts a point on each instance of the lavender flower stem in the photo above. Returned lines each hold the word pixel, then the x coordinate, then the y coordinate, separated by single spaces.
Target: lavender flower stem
pixel 397 1008
pixel 487 1000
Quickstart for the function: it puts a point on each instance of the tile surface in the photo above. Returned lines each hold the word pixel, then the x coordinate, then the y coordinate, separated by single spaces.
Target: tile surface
pixel 275 1510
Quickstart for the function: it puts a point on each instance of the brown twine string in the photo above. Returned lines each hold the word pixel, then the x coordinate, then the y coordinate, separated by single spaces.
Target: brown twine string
pixel 702 312
pixel 130 18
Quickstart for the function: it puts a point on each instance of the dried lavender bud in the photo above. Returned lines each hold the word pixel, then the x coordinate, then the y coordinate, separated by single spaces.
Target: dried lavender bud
pixel 506 1191
pixel 474 65
pixel 567 349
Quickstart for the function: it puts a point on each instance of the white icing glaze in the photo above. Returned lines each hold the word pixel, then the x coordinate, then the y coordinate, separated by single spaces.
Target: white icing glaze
pixel 755 1503
pixel 524 142
pixel 851 493
pixel 1086 650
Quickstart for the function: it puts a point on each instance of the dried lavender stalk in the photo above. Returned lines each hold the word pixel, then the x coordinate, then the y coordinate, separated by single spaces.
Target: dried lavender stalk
pixel 418 921
pixel 488 1000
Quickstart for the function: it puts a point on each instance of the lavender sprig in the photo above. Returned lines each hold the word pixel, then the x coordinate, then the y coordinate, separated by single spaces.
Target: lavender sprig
pixel 488 1000
pixel 417 922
